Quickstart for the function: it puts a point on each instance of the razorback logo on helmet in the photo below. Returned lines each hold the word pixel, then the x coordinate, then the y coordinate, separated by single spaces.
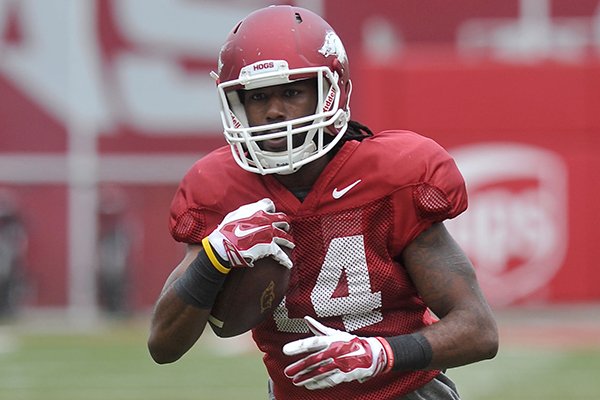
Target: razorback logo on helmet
pixel 332 46
pixel 515 229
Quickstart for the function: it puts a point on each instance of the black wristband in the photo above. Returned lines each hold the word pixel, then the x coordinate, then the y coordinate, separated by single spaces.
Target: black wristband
pixel 411 352
pixel 200 283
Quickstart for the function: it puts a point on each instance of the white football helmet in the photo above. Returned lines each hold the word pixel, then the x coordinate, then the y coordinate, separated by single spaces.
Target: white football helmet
pixel 273 46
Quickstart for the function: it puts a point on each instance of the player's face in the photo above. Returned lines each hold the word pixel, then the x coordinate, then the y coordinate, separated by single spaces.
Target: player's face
pixel 281 103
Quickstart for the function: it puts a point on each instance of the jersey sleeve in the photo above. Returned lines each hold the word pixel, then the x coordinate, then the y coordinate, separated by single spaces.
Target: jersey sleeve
pixel 435 192
pixel 191 219
pixel 211 188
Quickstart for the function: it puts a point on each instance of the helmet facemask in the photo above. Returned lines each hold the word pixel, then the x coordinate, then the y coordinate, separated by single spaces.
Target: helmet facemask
pixel 321 130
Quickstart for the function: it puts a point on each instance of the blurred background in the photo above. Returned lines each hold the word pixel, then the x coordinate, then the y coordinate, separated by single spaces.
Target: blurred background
pixel 105 104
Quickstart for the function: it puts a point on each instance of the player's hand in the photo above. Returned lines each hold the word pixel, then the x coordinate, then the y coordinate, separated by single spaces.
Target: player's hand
pixel 251 232
pixel 335 357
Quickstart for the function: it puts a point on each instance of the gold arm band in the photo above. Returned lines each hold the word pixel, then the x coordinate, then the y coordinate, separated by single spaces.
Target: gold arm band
pixel 213 258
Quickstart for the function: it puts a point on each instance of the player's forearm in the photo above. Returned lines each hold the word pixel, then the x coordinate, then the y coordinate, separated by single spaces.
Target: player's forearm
pixel 467 331
pixel 446 280
pixel 175 327
pixel 462 337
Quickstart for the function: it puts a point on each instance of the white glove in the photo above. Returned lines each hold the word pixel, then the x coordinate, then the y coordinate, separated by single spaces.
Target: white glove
pixel 251 232
pixel 335 357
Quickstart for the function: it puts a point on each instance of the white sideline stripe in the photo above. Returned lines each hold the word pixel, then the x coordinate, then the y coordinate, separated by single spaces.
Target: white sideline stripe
pixel 26 168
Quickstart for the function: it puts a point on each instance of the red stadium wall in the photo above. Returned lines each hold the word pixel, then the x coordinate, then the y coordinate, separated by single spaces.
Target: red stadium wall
pixel 525 132
pixel 527 139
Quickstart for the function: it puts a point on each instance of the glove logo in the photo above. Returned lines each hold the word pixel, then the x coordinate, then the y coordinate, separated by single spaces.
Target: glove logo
pixel 239 232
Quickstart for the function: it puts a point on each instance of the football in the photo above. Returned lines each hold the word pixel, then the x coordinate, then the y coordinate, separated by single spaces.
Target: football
pixel 248 296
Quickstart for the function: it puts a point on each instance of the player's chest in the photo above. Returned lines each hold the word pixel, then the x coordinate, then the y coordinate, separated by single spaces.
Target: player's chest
pixel 342 266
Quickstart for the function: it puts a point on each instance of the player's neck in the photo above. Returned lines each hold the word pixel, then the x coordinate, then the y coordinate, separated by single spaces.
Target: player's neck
pixel 304 179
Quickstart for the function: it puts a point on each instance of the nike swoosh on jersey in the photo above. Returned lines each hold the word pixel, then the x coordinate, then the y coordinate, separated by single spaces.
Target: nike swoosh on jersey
pixel 339 193
pixel 239 232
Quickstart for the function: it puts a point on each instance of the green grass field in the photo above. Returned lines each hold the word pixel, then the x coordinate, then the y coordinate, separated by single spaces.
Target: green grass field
pixel 113 363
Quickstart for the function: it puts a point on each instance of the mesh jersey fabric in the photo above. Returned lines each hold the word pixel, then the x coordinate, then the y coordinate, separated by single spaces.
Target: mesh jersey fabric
pixel 346 271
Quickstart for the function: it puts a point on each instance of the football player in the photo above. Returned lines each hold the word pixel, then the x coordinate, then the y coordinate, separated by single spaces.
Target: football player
pixel 381 300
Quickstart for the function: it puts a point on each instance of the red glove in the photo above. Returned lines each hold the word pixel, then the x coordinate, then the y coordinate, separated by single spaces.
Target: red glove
pixel 335 357
pixel 251 232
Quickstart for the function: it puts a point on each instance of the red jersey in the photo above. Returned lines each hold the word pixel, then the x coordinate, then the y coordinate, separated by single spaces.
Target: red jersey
pixel 372 199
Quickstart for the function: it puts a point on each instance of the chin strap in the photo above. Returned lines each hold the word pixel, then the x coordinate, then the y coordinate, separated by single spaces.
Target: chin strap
pixel 273 159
